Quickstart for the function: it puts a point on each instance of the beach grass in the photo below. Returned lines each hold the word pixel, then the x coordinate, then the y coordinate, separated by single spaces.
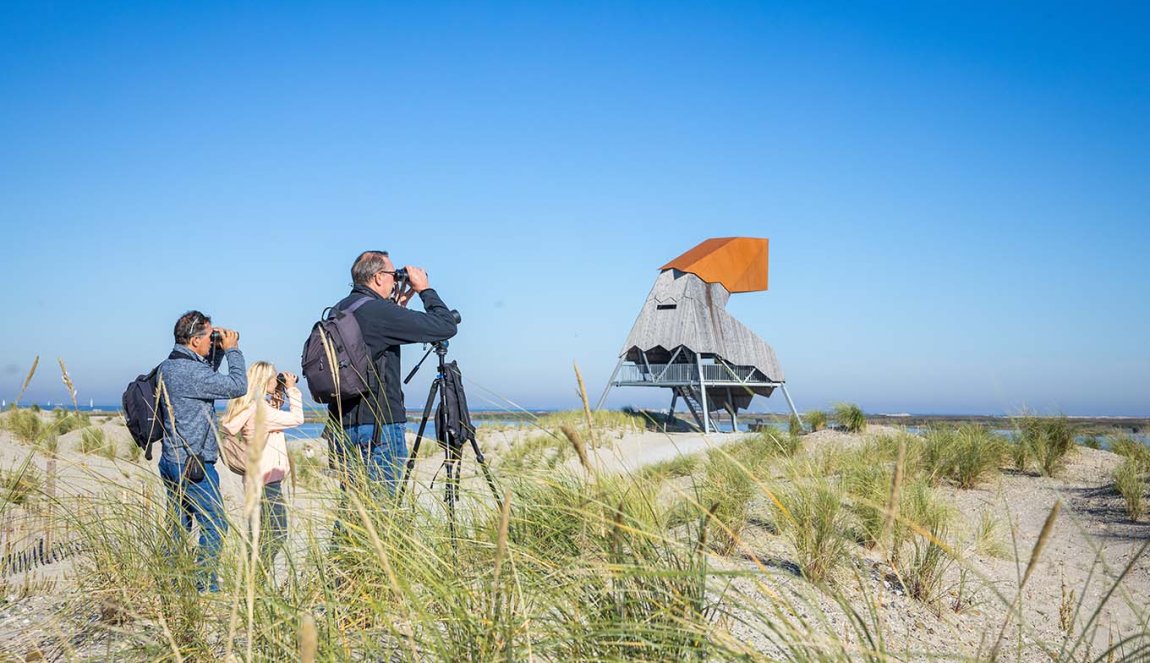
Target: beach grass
pixel 816 419
pixel 964 455
pixel 849 417
pixel 20 483
pixel 93 440
pixel 1044 442
pixel 1130 483
pixel 573 563
pixel 1128 447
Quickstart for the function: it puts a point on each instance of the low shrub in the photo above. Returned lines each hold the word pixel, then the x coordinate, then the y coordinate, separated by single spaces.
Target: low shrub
pixel 817 420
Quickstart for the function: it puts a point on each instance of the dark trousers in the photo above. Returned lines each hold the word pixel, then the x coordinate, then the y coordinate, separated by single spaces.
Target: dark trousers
pixel 273 522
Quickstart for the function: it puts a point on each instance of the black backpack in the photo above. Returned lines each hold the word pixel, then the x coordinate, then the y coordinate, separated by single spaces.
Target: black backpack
pixel 337 369
pixel 453 427
pixel 143 410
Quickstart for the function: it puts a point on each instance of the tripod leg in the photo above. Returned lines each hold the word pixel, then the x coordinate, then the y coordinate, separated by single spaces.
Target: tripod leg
pixel 486 473
pixel 418 438
pixel 451 488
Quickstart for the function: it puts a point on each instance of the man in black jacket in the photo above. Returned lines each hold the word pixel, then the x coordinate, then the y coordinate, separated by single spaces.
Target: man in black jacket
pixel 374 423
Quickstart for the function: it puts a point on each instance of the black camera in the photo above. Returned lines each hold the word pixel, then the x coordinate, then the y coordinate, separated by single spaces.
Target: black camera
pixel 281 381
pixel 401 274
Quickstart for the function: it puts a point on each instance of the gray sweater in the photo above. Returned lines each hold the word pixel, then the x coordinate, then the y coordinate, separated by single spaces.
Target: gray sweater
pixel 193 387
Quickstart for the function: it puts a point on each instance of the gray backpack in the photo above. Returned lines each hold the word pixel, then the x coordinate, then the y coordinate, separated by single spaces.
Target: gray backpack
pixel 335 358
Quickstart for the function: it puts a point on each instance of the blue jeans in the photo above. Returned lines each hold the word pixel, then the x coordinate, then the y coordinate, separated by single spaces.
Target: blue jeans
pixel 382 463
pixel 203 503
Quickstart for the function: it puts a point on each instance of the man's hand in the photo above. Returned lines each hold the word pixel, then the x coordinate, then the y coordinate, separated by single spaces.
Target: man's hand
pixel 231 338
pixel 405 295
pixel 417 278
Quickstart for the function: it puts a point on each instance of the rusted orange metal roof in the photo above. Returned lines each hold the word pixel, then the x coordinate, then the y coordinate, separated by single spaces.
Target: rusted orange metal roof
pixel 739 263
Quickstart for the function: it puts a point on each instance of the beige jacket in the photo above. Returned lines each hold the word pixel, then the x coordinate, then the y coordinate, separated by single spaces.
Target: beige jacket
pixel 274 460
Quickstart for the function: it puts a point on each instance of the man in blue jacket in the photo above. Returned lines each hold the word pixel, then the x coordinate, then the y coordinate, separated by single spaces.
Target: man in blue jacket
pixel 374 424
pixel 191 385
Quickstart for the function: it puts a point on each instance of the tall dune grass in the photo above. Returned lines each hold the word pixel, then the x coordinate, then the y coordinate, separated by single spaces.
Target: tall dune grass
pixel 849 417
pixel 576 565
pixel 816 419
pixel 965 455
pixel 1130 484
pixel 1044 441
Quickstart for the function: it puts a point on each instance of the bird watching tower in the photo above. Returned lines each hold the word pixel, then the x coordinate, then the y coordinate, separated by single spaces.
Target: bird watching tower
pixel 685 340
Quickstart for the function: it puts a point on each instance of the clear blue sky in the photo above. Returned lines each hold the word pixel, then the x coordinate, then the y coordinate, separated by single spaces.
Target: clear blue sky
pixel 957 194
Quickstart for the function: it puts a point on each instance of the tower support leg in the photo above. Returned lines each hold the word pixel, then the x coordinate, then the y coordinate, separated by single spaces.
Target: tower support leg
pixel 703 398
pixel 609 384
pixel 791 403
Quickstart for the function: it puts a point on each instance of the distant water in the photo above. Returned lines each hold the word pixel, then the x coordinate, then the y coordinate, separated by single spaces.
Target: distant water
pixel 312 430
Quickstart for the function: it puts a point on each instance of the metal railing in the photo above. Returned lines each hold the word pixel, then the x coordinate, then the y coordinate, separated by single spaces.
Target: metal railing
pixel 658 374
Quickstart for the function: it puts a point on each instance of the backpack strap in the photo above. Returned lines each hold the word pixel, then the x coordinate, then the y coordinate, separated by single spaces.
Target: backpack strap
pixel 330 311
pixel 176 355
pixel 357 303
pixel 351 309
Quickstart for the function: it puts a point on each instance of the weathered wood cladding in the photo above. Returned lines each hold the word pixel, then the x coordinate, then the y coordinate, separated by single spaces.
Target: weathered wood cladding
pixel 683 310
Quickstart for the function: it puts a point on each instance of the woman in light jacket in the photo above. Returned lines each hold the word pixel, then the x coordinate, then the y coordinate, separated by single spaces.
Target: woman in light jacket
pixel 261 408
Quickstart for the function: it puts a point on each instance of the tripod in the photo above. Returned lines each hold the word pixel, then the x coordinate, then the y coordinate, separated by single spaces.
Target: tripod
pixel 453 429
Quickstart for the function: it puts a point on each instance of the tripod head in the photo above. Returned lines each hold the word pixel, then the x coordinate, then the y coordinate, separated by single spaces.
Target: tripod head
pixel 440 349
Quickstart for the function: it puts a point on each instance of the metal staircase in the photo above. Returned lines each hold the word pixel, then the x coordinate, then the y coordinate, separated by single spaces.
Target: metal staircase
pixel 690 395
